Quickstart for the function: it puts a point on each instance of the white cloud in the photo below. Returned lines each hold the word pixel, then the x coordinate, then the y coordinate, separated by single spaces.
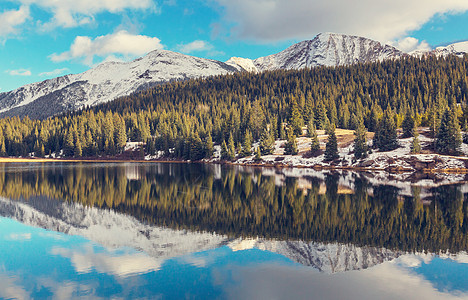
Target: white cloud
pixel 54 73
pixel 275 20
pixel 11 19
pixel 121 42
pixel 19 237
pixel 73 13
pixel 85 261
pixel 410 44
pixel 19 72
pixel 195 46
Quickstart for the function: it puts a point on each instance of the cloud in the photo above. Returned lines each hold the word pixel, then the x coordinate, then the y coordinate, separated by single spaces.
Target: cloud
pixel 195 46
pixel 54 73
pixel 19 237
pixel 73 13
pixel 121 42
pixel 11 19
pixel 276 20
pixel 85 261
pixel 19 72
pixel 410 44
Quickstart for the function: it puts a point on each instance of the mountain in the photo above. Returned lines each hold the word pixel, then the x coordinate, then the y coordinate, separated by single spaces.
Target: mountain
pixel 457 49
pixel 116 230
pixel 106 82
pixel 326 49
pixel 327 258
pixel 114 79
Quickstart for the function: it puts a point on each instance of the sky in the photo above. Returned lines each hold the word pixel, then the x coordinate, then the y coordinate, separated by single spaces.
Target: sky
pixel 41 39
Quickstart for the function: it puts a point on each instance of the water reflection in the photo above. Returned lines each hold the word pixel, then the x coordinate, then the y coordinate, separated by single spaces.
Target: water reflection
pixel 252 202
pixel 113 230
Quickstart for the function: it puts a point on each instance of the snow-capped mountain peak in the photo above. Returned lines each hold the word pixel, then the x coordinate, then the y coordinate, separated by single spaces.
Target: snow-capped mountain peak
pixel 328 49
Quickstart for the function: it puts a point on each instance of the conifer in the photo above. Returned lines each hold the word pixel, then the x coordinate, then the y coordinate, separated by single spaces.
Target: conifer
pixel 385 138
pixel 208 145
pixel 331 150
pixel 314 144
pixel 408 125
pixel 448 138
pixel 231 149
pixel 415 145
pixel 267 143
pixel 291 144
pixel 295 117
pixel 247 144
pixel 360 140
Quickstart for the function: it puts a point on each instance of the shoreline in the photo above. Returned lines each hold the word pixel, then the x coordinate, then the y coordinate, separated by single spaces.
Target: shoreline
pixel 265 164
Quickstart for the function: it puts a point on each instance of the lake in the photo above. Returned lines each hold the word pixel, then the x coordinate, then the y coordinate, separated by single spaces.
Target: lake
pixel 194 231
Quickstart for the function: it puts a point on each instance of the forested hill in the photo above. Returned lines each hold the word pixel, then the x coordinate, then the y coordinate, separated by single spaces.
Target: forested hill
pixel 183 114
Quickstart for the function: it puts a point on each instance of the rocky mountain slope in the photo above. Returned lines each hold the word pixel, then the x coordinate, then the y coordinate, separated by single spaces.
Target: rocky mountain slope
pixel 327 49
pixel 112 80
pixel 106 82
pixel 115 230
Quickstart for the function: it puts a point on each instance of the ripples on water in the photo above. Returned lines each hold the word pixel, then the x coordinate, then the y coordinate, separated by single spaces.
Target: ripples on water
pixel 209 231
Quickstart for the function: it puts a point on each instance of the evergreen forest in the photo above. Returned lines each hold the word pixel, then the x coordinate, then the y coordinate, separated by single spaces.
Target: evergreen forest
pixel 185 119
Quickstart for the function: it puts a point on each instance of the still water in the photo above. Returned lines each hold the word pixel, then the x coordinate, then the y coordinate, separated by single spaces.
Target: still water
pixel 188 231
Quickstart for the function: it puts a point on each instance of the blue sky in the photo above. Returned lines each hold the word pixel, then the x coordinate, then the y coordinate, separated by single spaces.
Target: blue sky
pixel 41 39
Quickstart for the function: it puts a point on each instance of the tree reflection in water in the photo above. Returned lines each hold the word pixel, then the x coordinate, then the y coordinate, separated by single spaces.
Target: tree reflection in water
pixel 251 202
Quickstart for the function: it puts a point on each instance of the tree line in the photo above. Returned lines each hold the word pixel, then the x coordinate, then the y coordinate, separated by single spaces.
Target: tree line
pixel 185 119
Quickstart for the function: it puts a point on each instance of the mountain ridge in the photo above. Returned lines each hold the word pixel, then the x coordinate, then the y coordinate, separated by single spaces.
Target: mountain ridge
pixel 111 80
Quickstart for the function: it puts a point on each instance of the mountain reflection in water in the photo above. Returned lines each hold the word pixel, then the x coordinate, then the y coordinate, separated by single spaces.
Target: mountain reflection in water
pixel 205 216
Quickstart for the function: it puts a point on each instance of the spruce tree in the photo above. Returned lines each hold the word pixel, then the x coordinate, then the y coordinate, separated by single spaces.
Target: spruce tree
pixel 320 115
pixel 291 144
pixel 360 140
pixel 224 151
pixel 231 148
pixel 267 143
pixel 295 117
pixel 311 127
pixel 448 138
pixel 415 145
pixel 385 138
pixel 258 154
pixel 314 144
pixel 208 146
pixel 408 125
pixel 247 144
pixel 331 150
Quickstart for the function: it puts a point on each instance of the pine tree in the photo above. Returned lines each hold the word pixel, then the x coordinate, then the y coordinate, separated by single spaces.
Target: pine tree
pixel 360 140
pixel 231 148
pixel 258 154
pixel 295 117
pixel 224 151
pixel 385 138
pixel 408 125
pixel 247 144
pixel 69 147
pixel 314 144
pixel 331 150
pixel 197 152
pixel 208 145
pixel 311 127
pixel 320 115
pixel 415 146
pixel 291 144
pixel 448 138
pixel 267 143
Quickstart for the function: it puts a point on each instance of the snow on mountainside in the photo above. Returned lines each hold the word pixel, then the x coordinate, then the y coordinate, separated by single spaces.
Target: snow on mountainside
pixel 106 82
pixel 327 258
pixel 458 49
pixel 115 230
pixel 328 49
